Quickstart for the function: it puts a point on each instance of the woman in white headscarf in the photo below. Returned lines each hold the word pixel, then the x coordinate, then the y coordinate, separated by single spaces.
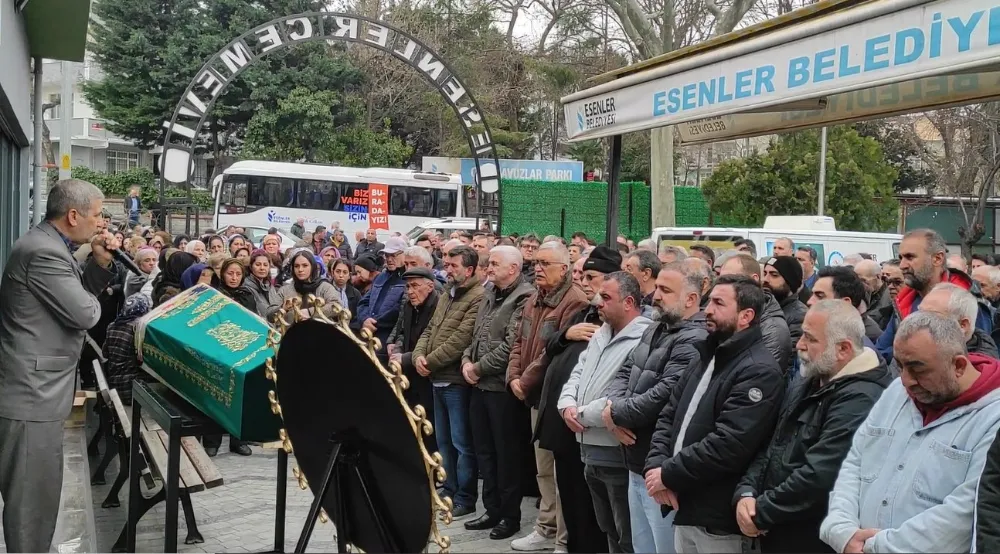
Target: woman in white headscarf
pixel 146 259
pixel 198 249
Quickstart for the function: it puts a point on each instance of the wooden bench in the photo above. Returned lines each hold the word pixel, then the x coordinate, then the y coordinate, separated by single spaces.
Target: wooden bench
pixel 197 471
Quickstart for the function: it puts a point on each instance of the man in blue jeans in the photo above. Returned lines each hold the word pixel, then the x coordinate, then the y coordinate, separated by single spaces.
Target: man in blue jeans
pixel 438 355
pixel 133 207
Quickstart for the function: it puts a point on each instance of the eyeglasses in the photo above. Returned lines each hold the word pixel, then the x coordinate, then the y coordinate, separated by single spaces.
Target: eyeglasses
pixel 893 282
pixel 545 264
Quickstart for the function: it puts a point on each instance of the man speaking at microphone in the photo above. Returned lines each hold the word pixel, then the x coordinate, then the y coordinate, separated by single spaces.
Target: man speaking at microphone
pixel 47 303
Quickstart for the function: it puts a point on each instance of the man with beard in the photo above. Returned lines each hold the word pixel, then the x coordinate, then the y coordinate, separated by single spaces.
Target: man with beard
pixel 583 400
pixel 438 356
pixel 771 319
pixel 563 349
pixel 908 483
pixel 644 384
pixel 719 415
pixel 783 278
pixel 782 498
pixel 922 259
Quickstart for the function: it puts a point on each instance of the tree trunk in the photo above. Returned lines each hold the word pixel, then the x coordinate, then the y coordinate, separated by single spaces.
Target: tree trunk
pixel 661 177
pixel 51 175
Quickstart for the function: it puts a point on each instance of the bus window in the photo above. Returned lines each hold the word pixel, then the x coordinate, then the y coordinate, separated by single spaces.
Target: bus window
pixel 270 191
pixel 317 195
pixel 421 202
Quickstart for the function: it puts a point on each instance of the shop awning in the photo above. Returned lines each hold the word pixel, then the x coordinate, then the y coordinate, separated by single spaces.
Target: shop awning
pixel 57 29
pixel 833 62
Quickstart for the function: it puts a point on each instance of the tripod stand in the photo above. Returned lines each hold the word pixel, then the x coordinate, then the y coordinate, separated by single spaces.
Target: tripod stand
pixel 347 460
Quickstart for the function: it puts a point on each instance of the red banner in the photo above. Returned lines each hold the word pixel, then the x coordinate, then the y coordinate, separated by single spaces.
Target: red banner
pixel 378 206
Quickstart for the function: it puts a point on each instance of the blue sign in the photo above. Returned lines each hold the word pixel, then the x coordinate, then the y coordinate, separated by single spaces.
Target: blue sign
pixel 529 170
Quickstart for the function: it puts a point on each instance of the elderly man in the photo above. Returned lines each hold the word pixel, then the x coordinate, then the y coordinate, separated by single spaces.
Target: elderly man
pixel 378 309
pixel 545 313
pixel 783 246
pixel 957 261
pixel 644 266
pixel 952 301
pixel 493 410
pixel 892 276
pixel 583 401
pixel 771 319
pixel 988 277
pixel 922 260
pixel 643 385
pixel 670 254
pixel 415 316
pixel 720 413
pixel 782 498
pixel 783 278
pixel 47 303
pixel 438 356
pixel 879 305
pixel 909 481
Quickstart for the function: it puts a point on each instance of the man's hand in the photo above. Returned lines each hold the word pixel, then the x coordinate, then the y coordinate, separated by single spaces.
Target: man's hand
pixel 369 324
pixel 606 417
pixel 101 246
pixel 421 365
pixel 390 349
pixel 746 509
pixel 569 416
pixel 396 357
pixel 469 372
pixel 662 498
pixel 515 387
pixel 581 331
pixel 653 482
pixel 624 436
pixel 857 543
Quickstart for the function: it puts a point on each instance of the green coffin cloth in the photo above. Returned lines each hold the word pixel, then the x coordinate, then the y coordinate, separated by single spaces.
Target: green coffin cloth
pixel 212 351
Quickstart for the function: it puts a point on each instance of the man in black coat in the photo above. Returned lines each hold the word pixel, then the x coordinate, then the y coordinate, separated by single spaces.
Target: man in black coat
pixel 773 327
pixel 782 277
pixel 783 496
pixel 643 385
pixel 422 299
pixel 719 415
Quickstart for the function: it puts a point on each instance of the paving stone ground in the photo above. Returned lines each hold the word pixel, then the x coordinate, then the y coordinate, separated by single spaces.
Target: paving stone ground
pixel 239 516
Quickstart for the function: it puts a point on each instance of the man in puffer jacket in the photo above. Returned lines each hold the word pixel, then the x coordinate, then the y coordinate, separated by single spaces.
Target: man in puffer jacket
pixel 643 385
pixel 773 326
pixel 583 399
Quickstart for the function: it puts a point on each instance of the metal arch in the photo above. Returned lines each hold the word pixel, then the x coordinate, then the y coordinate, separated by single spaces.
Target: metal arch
pixel 209 79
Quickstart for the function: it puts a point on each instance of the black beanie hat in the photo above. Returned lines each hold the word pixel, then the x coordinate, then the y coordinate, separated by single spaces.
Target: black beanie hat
pixel 790 270
pixel 603 259
pixel 366 262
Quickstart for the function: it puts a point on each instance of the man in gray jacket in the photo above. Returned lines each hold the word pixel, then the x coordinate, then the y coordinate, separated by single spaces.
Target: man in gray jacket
pixel 584 398
pixel 47 303
pixel 492 408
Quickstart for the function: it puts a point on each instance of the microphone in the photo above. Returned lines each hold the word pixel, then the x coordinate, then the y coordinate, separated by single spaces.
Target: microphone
pixel 123 259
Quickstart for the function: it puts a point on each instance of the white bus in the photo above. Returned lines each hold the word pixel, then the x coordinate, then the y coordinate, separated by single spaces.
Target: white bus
pixel 277 194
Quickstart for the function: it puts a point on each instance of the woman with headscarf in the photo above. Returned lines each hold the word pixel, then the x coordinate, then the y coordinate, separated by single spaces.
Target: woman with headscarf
pixel 306 279
pixel 260 284
pixel 199 274
pixel 181 241
pixel 216 244
pixel 340 276
pixel 157 243
pixel 197 248
pixel 119 346
pixel 234 275
pixel 146 259
pixel 271 244
pixel 329 254
pixel 168 283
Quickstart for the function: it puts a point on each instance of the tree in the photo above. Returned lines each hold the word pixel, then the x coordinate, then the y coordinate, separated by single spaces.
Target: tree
pixel 321 127
pixel 782 181
pixel 966 161
pixel 901 150
pixel 590 152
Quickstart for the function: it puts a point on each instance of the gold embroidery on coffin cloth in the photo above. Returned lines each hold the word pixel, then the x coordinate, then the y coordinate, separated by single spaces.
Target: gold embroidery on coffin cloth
pixel 226 397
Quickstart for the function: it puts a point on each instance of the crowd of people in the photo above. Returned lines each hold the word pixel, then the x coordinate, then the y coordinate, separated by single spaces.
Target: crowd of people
pixel 655 399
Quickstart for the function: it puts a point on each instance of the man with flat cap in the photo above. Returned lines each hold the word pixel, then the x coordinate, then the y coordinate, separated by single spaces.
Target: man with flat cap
pixel 421 301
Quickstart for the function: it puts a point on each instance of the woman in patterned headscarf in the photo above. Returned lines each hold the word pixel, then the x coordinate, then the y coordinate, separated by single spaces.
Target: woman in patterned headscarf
pixel 119 346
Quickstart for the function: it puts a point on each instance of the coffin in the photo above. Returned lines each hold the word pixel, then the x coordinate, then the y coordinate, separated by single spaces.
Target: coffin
pixel 211 351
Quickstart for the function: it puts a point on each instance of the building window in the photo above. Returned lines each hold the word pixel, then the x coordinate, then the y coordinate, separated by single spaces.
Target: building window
pixel 122 161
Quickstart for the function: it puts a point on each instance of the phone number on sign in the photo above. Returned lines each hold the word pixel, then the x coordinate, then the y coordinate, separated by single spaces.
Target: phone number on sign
pixel 707 126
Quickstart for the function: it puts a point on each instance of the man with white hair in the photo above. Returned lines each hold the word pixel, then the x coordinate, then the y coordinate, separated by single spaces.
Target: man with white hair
pixel 782 498
pixel 988 277
pixel 959 304
pixel 493 410
pixel 956 261
pixel 670 254
pixel 908 483
pixel 647 244
pixel 879 306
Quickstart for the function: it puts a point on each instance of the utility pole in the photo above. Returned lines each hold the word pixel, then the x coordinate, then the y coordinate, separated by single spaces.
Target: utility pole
pixel 66 124
pixel 38 183
pixel 822 172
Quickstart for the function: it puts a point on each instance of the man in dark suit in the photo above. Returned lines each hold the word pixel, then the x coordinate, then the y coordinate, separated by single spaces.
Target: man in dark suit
pixel 47 304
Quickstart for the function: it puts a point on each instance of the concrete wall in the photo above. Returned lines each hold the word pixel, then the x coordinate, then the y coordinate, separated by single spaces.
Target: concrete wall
pixel 15 64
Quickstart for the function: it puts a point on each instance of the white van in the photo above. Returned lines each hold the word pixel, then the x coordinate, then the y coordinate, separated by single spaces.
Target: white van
pixel 819 232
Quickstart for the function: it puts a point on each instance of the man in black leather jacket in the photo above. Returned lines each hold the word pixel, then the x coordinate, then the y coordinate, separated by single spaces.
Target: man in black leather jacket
pixel 782 498
pixel 643 385
pixel 719 415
